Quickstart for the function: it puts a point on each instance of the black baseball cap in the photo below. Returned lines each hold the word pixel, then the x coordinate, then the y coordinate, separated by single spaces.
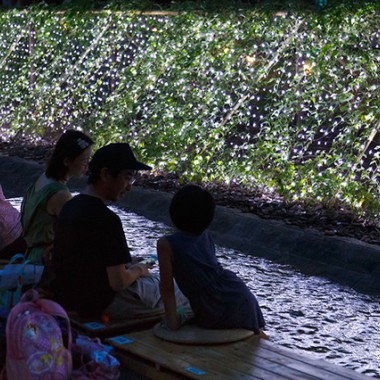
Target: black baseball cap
pixel 117 156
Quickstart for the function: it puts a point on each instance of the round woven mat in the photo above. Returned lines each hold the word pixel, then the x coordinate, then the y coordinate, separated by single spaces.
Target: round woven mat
pixel 191 334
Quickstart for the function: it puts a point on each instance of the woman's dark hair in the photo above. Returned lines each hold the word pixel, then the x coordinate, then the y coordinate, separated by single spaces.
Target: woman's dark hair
pixel 192 209
pixel 70 145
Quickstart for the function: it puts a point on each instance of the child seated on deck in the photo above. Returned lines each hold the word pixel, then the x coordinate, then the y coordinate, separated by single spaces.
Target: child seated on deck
pixel 218 298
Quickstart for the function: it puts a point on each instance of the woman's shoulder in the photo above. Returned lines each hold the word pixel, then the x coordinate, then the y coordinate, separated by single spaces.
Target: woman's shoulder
pixel 45 184
pixel 36 193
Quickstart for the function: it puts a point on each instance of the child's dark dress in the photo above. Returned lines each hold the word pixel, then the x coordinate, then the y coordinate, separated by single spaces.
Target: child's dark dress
pixel 218 297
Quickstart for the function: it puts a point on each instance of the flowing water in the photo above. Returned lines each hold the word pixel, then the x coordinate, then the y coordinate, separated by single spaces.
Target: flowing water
pixel 307 314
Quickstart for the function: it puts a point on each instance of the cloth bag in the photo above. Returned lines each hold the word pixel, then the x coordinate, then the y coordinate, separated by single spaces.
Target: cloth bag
pixel 14 276
pixel 92 360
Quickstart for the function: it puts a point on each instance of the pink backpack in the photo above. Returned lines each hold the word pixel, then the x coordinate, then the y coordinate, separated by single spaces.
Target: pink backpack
pixel 35 348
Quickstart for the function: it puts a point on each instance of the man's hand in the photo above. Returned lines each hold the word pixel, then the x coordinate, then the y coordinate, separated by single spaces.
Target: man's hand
pixel 143 268
pixel 120 277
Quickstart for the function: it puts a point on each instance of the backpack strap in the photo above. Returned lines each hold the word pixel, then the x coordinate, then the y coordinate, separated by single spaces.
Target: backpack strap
pixel 16 257
pixel 30 295
pixel 55 309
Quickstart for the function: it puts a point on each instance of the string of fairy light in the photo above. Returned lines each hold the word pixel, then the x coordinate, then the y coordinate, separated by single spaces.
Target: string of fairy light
pixel 288 102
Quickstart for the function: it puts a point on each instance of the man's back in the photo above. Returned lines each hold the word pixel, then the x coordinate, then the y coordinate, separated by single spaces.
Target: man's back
pixel 89 238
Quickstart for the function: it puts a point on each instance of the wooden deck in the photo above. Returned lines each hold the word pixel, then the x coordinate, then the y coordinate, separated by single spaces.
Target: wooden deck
pixel 97 328
pixel 104 329
pixel 252 358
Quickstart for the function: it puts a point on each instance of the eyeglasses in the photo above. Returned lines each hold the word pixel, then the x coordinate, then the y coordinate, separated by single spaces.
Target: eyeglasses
pixel 132 176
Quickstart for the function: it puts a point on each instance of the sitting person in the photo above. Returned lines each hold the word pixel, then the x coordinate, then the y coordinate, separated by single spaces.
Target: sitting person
pixel 11 240
pixel 219 299
pixel 46 196
pixel 95 273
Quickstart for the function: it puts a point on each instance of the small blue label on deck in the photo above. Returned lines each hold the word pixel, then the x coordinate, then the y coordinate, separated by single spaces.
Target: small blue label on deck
pixel 94 325
pixel 121 339
pixel 195 371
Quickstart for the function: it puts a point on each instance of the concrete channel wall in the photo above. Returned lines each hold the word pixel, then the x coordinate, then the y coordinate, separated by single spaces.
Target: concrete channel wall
pixel 343 260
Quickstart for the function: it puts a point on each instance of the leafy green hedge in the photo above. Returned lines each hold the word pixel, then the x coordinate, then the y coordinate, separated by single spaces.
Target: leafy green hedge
pixel 286 101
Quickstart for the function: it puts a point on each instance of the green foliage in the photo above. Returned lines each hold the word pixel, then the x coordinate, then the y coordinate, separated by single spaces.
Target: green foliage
pixel 285 101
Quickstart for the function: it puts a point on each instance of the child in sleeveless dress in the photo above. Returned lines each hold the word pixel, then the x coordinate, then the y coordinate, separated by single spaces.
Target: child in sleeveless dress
pixel 218 297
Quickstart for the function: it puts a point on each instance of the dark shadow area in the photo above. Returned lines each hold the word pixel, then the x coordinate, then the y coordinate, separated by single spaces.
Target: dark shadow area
pixel 184 5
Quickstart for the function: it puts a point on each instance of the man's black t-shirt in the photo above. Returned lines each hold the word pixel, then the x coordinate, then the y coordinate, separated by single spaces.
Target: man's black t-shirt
pixel 89 237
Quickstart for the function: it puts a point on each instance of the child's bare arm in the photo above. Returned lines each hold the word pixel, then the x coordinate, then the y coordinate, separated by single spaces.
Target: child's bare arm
pixel 165 260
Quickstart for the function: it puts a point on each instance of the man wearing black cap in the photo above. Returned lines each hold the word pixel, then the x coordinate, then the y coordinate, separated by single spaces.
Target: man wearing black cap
pixel 93 266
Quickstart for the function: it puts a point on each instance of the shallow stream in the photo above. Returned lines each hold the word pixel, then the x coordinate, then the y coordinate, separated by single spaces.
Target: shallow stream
pixel 307 314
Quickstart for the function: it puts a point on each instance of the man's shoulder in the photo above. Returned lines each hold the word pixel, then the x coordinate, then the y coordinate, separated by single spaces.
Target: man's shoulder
pixel 85 204
pixel 74 202
pixel 83 200
pixel 81 204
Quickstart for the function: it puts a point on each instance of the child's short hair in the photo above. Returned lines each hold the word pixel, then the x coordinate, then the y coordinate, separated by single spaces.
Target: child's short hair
pixel 192 209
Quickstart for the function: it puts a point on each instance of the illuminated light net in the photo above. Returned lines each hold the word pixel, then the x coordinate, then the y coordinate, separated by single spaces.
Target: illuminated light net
pixel 285 102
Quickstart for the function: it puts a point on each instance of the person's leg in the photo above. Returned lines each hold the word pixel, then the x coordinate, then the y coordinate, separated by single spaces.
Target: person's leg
pixel 143 299
pixel 147 289
pixel 128 305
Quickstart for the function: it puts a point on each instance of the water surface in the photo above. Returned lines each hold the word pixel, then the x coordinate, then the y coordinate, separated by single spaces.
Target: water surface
pixel 308 314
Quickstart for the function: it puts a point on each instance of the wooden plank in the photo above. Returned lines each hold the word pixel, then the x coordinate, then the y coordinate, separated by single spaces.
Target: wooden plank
pixel 249 363
pixel 246 362
pixel 280 360
pixel 331 369
pixel 199 360
pixel 176 358
pixel 255 367
pixel 145 368
pixel 249 359
pixel 101 329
